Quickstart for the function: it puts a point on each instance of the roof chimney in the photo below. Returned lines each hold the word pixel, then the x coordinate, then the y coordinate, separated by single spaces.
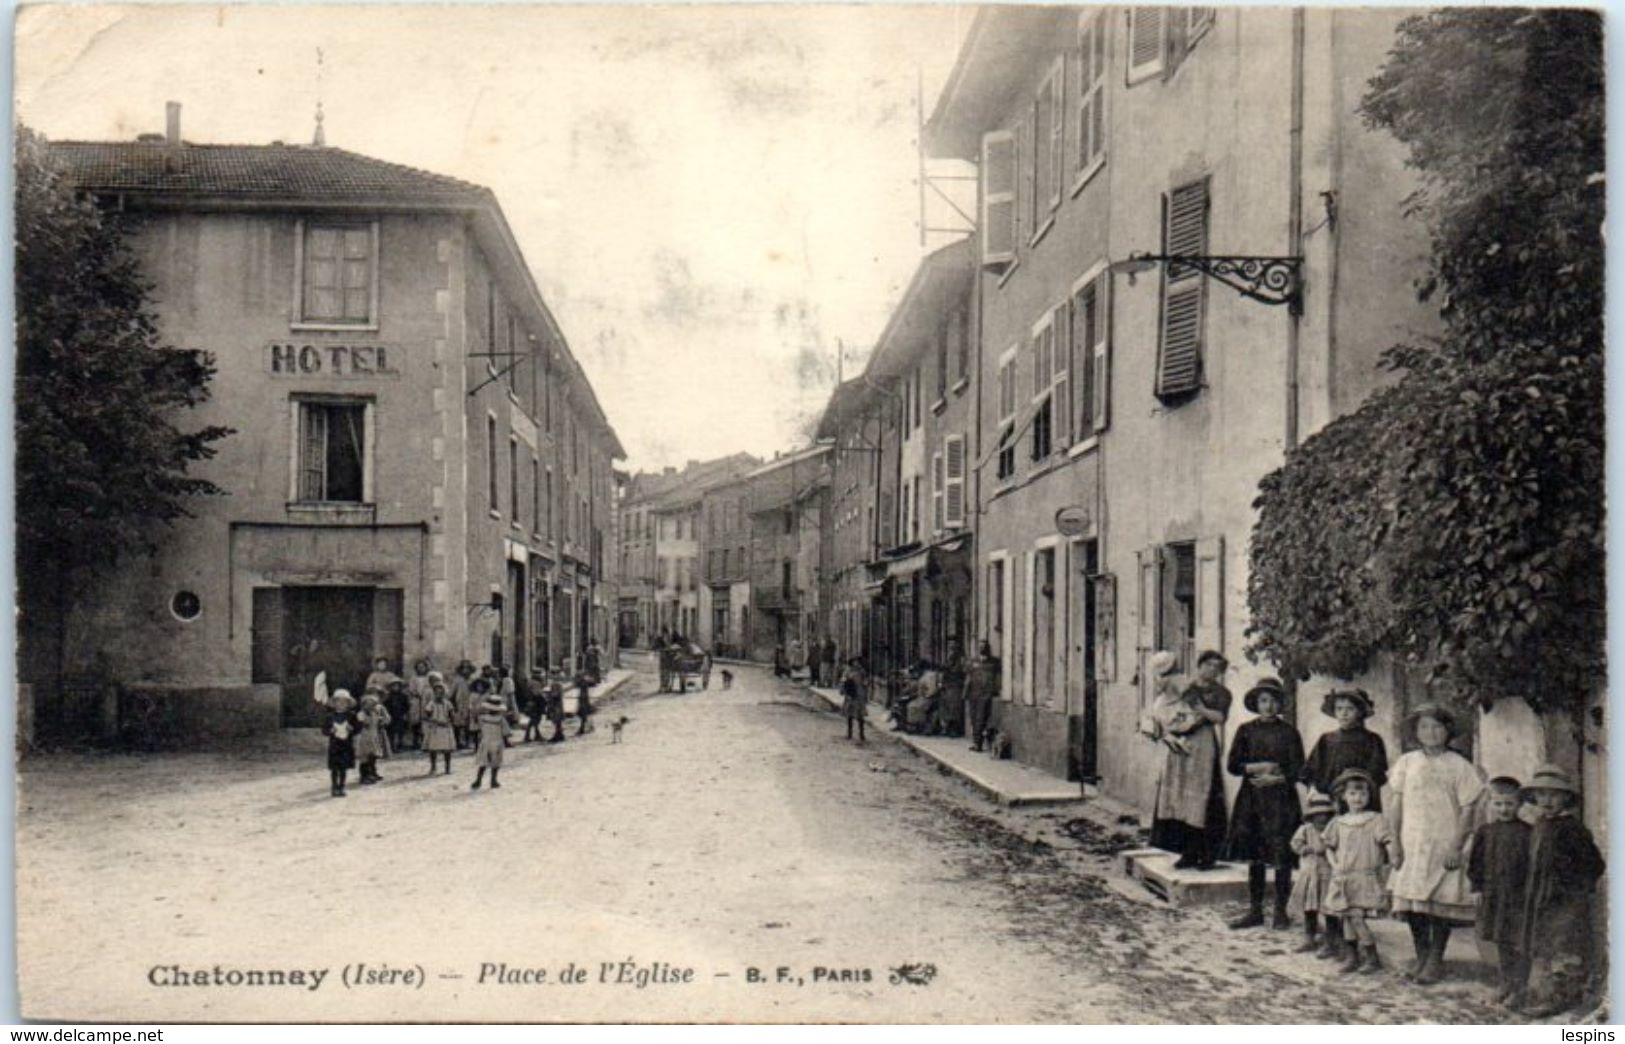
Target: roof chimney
pixel 172 122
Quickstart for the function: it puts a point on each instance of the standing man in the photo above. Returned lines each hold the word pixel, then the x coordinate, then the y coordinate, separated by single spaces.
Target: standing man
pixel 831 660
pixel 595 661
pixel 981 689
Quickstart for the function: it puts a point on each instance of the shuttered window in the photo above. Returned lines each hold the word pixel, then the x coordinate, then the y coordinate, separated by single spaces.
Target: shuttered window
pixel 1179 356
pixel 998 198
pixel 333 452
pixel 1061 383
pixel 953 494
pixel 1147 42
pixel 1091 354
pixel 1043 381
pixel 1089 144
pixel 339 264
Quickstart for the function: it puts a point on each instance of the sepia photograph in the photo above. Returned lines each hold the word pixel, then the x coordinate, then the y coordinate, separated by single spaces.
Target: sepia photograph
pixel 799 513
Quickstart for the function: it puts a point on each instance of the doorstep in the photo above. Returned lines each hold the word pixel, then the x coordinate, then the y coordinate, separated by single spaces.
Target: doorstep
pixel 1008 782
pixel 1154 868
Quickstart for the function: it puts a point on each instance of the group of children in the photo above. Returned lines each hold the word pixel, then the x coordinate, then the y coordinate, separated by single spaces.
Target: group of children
pixel 476 709
pixel 1525 883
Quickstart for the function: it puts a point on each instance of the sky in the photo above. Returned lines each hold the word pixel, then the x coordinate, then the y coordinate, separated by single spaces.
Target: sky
pixel 712 199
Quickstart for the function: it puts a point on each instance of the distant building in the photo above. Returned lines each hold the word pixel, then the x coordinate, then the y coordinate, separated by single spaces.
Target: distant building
pixel 788 514
pixel 420 468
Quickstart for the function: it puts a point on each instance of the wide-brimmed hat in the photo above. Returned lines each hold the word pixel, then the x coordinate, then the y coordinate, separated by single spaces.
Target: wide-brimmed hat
pixel 1272 686
pixel 1212 654
pixel 1319 804
pixel 1163 663
pixel 1439 713
pixel 1349 775
pixel 436 678
pixel 1359 697
pixel 1550 777
pixel 341 700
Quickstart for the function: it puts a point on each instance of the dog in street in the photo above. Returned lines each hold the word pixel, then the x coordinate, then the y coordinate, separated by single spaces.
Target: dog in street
pixel 727 679
pixel 615 728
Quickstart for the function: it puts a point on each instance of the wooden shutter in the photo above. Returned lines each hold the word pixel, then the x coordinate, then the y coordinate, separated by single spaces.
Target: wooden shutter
pixel 265 660
pixel 357 274
pixel 1091 120
pixel 1081 328
pixel 1147 42
pixel 1101 353
pixel 1056 100
pixel 312 452
pixel 1210 594
pixel 938 487
pixel 1061 401
pixel 1179 358
pixel 953 497
pixel 1148 600
pixel 998 198
pixel 1105 627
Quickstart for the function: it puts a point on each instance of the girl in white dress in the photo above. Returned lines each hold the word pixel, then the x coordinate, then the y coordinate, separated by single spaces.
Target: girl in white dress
pixel 1434 804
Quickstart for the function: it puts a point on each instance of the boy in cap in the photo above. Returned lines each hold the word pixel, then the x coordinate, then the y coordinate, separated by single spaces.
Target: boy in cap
pixel 1498 868
pixel 1564 866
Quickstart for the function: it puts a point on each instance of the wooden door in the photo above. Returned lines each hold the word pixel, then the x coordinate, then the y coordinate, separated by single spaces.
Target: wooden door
pixel 322 629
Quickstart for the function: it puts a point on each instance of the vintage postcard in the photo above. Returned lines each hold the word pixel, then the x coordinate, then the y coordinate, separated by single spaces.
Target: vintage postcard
pixel 810 513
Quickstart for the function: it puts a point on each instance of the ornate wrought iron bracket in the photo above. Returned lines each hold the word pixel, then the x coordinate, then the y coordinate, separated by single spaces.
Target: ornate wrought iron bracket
pixel 1271 280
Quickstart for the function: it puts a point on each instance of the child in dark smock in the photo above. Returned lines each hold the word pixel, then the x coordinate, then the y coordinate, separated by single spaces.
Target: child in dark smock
pixel 1350 745
pixel 1558 915
pixel 340 728
pixel 1267 754
pixel 1498 869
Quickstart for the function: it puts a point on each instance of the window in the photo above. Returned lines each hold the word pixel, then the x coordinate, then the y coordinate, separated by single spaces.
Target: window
pixel 333 452
pixel 903 527
pixel 995 606
pixel 1090 350
pixel 915 532
pixel 942 360
pixel 786 576
pixel 1049 127
pixel 547 501
pixel 1043 421
pixel 953 492
pixel 1090 139
pixel 998 198
pixel 491 326
pixel 1184 233
pixel 513 479
pixel 535 495
pixel 1181 599
pixel 491 461
pixel 336 279
pixel 1007 413
pixel 510 361
pixel 1041 633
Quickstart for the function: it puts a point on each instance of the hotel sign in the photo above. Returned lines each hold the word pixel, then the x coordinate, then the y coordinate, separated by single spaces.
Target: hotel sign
pixel 293 359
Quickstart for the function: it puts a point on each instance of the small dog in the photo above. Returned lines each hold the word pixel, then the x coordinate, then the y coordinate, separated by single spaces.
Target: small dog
pixel 727 679
pixel 998 745
pixel 615 728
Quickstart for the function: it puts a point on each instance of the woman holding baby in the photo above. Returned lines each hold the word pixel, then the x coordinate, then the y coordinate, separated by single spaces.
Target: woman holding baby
pixel 1188 723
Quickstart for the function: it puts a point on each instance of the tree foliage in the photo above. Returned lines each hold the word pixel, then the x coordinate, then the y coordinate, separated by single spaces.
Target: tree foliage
pixel 1457 517
pixel 101 461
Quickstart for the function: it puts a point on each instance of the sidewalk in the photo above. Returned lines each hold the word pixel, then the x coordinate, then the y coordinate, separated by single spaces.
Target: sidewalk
pixel 1007 782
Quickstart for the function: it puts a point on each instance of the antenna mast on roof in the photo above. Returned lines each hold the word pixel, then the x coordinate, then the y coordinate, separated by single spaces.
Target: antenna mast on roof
pixel 321 135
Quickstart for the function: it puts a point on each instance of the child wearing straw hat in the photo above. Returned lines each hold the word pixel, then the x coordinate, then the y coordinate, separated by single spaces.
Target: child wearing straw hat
pixel 1350 745
pixel 1558 922
pixel 1314 871
pixel 491 717
pixel 1498 869
pixel 340 729
pixel 1434 796
pixel 439 716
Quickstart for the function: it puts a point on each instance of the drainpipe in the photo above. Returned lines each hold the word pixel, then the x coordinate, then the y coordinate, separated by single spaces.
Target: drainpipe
pixel 1294 238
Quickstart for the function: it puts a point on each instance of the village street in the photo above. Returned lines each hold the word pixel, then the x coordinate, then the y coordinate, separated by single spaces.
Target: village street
pixel 730 831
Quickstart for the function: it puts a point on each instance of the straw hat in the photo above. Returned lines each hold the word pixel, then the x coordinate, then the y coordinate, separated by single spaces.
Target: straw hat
pixel 341 700
pixel 1271 686
pixel 1320 804
pixel 436 678
pixel 1349 775
pixel 1550 777
pixel 1439 713
pixel 1359 697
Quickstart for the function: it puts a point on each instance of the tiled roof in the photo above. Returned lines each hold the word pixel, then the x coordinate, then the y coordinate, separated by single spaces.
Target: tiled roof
pixel 255 172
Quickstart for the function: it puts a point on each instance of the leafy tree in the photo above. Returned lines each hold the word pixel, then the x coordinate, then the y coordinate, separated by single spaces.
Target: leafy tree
pixel 1457 517
pixel 101 463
